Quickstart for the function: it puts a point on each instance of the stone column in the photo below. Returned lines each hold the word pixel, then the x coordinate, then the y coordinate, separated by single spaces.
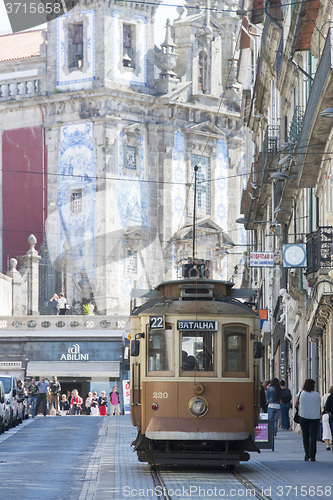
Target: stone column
pixel 16 288
pixel 30 263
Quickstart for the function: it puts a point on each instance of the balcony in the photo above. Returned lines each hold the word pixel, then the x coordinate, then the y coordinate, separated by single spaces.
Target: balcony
pixel 63 326
pixel 254 199
pixel 250 195
pixel 319 252
pixel 22 88
pixel 316 128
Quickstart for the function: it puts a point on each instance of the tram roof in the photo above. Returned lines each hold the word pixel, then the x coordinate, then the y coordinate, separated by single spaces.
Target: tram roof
pixel 199 295
pixel 226 306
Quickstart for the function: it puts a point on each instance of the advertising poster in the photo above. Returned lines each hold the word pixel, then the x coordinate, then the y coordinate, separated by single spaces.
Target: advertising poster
pixel 126 396
pixel 261 433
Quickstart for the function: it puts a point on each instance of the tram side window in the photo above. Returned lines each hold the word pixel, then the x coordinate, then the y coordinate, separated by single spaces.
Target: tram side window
pixel 197 351
pixel 160 349
pixel 235 351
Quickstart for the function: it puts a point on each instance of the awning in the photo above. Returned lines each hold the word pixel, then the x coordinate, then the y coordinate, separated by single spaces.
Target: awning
pixel 73 369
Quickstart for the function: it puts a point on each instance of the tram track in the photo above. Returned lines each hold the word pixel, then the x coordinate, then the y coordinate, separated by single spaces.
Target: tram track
pixel 250 486
pixel 174 484
pixel 159 484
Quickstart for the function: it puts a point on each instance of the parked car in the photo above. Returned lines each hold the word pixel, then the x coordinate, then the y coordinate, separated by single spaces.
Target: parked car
pixel 10 387
pixel 2 408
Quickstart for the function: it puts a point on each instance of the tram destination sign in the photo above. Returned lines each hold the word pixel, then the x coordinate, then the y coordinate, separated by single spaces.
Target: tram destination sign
pixel 210 326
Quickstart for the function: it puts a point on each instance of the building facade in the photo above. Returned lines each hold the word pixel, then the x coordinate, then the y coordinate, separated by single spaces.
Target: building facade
pixel 101 131
pixel 286 60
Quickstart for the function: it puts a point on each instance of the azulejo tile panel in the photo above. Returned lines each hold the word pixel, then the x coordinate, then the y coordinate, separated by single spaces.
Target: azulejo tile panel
pixel 179 179
pixel 221 184
pixel 77 174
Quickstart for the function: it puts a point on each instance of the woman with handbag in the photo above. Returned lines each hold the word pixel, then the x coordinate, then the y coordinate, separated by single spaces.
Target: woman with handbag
pixel 308 402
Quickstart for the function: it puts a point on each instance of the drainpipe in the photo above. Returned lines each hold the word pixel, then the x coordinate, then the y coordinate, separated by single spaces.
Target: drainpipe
pixel 301 289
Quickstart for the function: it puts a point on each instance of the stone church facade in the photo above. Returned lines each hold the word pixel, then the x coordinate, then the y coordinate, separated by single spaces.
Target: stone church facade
pixel 100 134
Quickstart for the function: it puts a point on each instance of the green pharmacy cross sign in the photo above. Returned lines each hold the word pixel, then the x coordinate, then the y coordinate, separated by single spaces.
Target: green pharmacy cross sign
pixel 26 14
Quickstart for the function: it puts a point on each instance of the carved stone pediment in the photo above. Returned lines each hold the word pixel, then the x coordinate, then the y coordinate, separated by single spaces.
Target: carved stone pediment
pixel 206 128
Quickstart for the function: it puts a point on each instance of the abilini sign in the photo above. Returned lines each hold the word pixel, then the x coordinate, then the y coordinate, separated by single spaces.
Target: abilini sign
pixel 74 354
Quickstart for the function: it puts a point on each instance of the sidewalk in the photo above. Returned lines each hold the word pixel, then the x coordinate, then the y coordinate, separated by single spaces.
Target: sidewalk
pixel 288 461
pixel 281 473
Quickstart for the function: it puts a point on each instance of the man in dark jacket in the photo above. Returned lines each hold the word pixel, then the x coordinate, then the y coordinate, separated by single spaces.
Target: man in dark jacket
pixel 285 405
pixel 55 389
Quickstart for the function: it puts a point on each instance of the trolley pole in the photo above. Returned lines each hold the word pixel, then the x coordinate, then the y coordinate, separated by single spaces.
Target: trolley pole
pixel 194 207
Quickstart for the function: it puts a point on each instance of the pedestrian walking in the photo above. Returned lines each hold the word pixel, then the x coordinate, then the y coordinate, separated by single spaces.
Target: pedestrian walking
pixel 327 399
pixel 64 406
pixel 87 403
pixel 76 403
pixel 62 304
pixel 103 404
pixel 54 303
pixel 263 401
pixel 32 397
pixel 20 389
pixel 285 405
pixel 114 399
pixel 55 390
pixel 308 402
pixel 43 386
pixel 94 405
pixel 273 402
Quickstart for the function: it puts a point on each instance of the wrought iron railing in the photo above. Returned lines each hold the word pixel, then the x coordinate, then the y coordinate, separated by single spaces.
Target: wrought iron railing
pixel 270 147
pixel 319 247
pixel 296 125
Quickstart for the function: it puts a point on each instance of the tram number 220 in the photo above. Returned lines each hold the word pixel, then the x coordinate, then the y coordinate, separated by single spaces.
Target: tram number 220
pixel 160 395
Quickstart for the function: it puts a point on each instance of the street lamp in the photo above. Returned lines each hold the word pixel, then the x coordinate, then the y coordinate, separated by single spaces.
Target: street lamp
pixel 327 113
pixel 242 220
pixel 231 244
pixel 280 176
pixel 285 159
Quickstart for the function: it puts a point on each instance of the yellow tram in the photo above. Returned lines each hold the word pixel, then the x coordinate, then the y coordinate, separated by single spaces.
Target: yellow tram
pixel 194 375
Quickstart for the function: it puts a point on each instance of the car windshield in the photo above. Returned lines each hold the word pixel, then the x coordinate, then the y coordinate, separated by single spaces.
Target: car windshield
pixel 6 383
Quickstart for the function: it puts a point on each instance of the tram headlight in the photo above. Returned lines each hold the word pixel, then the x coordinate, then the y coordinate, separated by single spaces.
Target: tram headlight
pixel 154 406
pixel 197 406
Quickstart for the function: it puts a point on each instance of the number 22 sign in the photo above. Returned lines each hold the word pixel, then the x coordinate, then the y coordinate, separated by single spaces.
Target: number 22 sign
pixel 157 322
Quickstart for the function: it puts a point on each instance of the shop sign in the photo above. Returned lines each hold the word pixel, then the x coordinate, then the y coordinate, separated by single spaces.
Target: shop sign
pixel 74 354
pixel 261 259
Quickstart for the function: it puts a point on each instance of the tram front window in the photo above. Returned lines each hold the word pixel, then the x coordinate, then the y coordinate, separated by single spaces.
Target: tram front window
pixel 160 350
pixel 197 351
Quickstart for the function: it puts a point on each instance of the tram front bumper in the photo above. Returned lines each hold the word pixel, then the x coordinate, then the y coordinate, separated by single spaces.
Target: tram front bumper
pixel 215 429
